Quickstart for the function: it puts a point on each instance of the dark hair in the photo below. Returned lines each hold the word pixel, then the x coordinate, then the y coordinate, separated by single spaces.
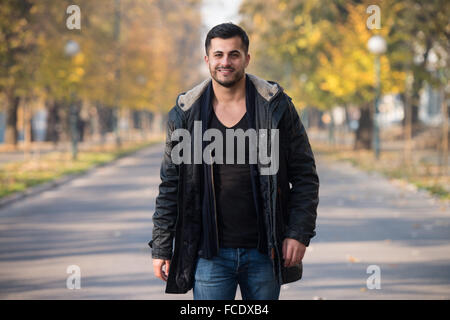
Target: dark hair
pixel 226 31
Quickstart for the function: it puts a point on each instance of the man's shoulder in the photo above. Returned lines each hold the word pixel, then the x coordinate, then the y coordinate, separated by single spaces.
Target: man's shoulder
pixel 266 88
pixel 186 99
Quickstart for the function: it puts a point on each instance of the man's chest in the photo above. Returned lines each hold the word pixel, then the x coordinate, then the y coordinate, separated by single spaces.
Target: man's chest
pixel 230 114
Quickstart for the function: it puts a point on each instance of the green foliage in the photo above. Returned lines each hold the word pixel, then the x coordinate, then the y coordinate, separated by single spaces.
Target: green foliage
pixel 318 49
pixel 132 51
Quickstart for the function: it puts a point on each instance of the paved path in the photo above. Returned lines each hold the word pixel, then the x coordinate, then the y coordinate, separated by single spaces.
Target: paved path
pixel 101 222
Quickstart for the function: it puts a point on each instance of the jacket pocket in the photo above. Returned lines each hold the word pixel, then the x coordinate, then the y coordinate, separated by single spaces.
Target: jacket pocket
pixel 292 274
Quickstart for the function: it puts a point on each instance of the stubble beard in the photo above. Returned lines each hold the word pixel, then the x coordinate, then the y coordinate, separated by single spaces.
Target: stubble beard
pixel 228 83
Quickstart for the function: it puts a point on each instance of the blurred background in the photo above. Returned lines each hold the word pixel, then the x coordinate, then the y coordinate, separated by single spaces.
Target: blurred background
pixel 86 82
pixel 112 78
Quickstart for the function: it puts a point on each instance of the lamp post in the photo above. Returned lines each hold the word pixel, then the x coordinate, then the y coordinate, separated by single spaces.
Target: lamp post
pixel 377 46
pixel 71 49
pixel 117 75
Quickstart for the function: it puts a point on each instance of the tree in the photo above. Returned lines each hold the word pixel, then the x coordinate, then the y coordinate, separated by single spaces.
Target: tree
pixel 317 49
pixel 16 44
pixel 135 55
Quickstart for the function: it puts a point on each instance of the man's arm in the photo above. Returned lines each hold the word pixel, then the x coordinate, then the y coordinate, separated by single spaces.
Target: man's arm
pixel 301 170
pixel 165 216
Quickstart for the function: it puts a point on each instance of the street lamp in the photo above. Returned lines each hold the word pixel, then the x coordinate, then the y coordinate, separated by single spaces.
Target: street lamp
pixel 71 49
pixel 377 46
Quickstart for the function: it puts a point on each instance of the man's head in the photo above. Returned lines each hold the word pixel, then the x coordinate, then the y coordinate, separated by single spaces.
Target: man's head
pixel 227 55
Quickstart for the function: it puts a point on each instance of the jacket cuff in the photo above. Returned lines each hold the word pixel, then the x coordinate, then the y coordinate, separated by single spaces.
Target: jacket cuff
pixel 299 237
pixel 159 254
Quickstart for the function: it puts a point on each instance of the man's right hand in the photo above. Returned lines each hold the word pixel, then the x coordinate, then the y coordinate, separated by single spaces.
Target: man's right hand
pixel 158 265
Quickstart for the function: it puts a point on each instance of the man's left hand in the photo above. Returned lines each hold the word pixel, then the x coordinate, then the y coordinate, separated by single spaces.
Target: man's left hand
pixel 293 252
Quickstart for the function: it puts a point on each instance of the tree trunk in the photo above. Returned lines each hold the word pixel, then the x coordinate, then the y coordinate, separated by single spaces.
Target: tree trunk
pixel 11 133
pixel 444 161
pixel 65 130
pixel 331 130
pixel 157 126
pixel 413 102
pixel 414 106
pixel 53 122
pixel 314 118
pixel 144 123
pixel 364 133
pixel 103 120
pixel 407 130
pixel 27 125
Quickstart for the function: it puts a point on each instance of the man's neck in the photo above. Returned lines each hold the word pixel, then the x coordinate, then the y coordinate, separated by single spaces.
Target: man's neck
pixel 224 95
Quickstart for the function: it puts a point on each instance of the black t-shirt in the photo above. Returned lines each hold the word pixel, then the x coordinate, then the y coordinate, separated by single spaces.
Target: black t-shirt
pixel 236 212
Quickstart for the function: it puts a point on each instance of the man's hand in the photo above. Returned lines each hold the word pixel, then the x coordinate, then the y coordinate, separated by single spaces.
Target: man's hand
pixel 158 265
pixel 293 252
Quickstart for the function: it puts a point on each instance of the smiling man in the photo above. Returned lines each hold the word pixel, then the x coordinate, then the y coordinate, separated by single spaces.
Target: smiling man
pixel 232 223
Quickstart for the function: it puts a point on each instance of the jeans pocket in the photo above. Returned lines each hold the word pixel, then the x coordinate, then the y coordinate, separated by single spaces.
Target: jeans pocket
pixel 203 270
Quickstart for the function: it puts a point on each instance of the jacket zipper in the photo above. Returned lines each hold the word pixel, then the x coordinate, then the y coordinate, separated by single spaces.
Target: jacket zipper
pixel 214 198
pixel 274 249
pixel 269 139
pixel 179 186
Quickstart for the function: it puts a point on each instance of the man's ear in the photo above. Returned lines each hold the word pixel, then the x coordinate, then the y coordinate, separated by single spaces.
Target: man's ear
pixel 206 59
pixel 248 60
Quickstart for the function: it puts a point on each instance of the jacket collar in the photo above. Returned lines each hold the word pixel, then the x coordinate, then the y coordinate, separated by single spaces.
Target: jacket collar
pixel 265 88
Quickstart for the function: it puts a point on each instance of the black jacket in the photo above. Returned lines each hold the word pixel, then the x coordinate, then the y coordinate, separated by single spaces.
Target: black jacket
pixel 289 197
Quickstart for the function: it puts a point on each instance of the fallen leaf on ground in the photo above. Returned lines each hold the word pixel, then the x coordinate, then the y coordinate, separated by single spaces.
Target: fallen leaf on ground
pixel 393 265
pixel 353 259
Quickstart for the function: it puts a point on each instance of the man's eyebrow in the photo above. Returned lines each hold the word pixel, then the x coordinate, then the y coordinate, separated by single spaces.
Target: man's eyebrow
pixel 232 51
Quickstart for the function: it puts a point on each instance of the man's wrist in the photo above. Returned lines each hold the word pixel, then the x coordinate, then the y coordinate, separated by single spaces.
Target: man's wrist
pixel 303 239
pixel 161 257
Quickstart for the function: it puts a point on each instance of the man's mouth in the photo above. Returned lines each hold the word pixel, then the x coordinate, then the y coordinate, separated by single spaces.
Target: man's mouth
pixel 225 71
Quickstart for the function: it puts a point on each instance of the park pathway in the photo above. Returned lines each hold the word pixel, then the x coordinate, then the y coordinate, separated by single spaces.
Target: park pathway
pixel 101 222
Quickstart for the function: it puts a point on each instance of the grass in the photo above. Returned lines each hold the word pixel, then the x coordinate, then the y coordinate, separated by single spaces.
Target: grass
pixel 392 165
pixel 18 176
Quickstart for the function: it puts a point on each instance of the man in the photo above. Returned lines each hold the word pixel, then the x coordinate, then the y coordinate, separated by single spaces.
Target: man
pixel 234 223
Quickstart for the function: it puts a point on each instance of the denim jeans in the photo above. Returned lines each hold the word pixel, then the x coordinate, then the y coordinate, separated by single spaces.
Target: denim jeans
pixel 218 278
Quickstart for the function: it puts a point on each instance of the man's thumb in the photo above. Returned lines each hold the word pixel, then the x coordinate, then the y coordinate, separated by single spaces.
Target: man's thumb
pixel 167 267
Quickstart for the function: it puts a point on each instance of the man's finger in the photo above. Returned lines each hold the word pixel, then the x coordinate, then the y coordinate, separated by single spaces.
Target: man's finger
pixel 288 259
pixel 297 256
pixel 157 269
pixel 157 272
pixel 163 275
pixel 167 267
pixel 284 249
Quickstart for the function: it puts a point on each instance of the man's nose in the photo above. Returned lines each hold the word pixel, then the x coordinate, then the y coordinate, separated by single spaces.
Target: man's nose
pixel 226 61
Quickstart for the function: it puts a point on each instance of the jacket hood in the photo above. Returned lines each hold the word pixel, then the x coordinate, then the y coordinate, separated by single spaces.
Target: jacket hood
pixel 267 89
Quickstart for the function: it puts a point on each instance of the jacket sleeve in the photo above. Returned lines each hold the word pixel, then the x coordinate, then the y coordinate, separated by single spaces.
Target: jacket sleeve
pixel 302 175
pixel 165 216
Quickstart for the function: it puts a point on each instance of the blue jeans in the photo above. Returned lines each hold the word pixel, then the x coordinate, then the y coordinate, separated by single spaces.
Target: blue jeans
pixel 218 278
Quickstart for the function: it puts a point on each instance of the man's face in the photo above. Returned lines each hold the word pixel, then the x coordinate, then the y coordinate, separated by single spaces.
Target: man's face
pixel 227 60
